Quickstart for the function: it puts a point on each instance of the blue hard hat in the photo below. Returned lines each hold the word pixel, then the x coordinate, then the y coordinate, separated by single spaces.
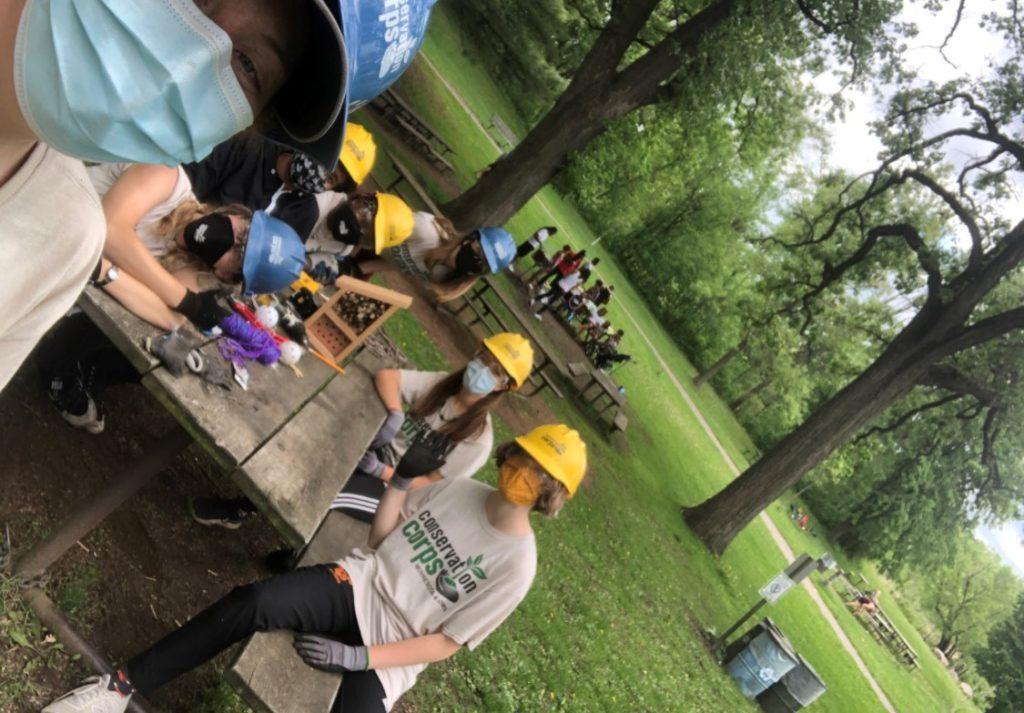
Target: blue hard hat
pixel 499 247
pixel 274 255
pixel 378 42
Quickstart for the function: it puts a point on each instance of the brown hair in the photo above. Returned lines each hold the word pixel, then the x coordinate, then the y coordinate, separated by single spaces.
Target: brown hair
pixel 185 212
pixel 553 495
pixel 452 287
pixel 471 423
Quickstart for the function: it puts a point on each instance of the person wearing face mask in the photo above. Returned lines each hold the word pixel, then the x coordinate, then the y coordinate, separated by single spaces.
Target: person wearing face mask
pixel 262 175
pixel 400 604
pixel 448 264
pixel 354 226
pixel 174 79
pixel 449 411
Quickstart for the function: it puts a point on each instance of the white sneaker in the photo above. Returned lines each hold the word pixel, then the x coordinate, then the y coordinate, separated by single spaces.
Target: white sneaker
pixel 91 421
pixel 93 696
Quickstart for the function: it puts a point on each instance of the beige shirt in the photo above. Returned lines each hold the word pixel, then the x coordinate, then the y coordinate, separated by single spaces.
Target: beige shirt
pixel 51 235
pixel 443 569
pixel 105 175
pixel 411 256
pixel 467 456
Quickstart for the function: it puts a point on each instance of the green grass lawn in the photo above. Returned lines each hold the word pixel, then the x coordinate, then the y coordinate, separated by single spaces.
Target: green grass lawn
pixel 623 587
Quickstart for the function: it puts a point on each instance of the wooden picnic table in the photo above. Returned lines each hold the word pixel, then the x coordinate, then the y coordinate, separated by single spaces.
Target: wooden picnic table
pixel 282 439
pixel 391 107
pixel 606 387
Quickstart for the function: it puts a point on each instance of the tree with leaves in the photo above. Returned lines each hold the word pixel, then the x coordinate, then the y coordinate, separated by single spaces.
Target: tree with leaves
pixel 648 52
pixel 965 300
pixel 1000 662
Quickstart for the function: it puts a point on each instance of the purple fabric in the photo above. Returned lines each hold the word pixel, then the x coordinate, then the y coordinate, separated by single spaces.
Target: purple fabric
pixel 243 342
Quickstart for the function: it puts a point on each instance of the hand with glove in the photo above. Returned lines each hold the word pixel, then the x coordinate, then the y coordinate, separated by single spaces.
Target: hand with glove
pixel 330 655
pixel 324 269
pixel 425 455
pixel 174 349
pixel 203 309
pixel 388 431
pixel 371 464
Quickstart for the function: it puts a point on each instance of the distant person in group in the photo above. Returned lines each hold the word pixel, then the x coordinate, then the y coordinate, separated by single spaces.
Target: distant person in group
pixel 263 175
pixel 55 89
pixel 599 294
pixel 535 242
pixel 543 264
pixel 563 286
pixel 277 65
pixel 453 409
pixel 449 264
pixel 864 604
pixel 563 268
pixel 445 565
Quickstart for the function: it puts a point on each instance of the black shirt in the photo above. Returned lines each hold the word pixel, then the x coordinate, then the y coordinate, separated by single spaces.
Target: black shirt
pixel 244 170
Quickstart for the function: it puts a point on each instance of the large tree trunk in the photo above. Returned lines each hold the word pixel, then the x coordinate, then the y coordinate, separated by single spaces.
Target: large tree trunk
pixel 598 94
pixel 719 519
pixel 712 371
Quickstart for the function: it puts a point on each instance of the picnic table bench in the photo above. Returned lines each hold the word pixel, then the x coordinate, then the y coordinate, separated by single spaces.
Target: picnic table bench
pixel 878 623
pixel 485 314
pixel 504 130
pixel 421 135
pixel 607 389
pixel 406 176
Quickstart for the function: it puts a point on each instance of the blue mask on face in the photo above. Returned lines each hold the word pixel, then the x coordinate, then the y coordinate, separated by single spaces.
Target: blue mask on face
pixel 122 80
pixel 479 379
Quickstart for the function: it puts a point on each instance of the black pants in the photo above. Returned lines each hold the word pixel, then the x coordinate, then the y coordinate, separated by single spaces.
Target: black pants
pixel 551 299
pixel 76 360
pixel 308 600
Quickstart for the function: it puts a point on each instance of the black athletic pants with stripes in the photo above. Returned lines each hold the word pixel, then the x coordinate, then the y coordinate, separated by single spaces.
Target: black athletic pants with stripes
pixel 309 600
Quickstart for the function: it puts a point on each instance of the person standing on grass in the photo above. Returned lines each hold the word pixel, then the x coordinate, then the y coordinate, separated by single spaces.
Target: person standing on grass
pixel 542 265
pixel 445 565
pixel 574 280
pixel 535 242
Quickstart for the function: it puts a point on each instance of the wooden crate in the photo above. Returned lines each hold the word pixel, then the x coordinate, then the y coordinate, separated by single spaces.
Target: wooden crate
pixel 332 335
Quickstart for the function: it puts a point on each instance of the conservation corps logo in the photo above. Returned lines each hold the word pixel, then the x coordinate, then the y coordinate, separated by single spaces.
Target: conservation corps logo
pixel 397 21
pixel 435 555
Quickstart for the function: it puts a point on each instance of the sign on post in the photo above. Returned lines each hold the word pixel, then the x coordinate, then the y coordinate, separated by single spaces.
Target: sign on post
pixel 774 590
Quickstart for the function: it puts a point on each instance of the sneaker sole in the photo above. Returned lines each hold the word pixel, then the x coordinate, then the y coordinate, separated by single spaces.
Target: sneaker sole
pixel 226 524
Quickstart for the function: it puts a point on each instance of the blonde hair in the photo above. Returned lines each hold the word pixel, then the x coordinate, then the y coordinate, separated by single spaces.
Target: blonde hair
pixel 449 288
pixel 173 224
pixel 553 495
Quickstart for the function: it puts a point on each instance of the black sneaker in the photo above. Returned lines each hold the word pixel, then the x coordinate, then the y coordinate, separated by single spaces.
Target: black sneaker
pixel 218 512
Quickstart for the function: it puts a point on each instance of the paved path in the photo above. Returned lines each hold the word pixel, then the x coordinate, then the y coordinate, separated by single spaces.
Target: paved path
pixel 780 541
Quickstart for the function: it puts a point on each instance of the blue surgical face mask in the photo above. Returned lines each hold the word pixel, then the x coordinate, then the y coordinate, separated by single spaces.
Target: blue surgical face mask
pixel 123 80
pixel 479 379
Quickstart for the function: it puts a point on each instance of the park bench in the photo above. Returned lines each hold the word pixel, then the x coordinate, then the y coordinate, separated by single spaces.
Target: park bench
pixel 406 176
pixel 419 134
pixel 484 314
pixel 504 130
pixel 267 672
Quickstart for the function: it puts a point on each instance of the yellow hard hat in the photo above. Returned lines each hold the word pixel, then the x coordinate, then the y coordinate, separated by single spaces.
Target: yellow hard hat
pixel 393 223
pixel 560 451
pixel 514 353
pixel 358 153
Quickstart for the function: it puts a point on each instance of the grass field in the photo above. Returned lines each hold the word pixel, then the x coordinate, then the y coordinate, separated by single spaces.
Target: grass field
pixel 623 587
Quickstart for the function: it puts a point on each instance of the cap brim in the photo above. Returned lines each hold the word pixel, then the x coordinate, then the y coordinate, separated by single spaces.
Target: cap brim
pixel 311 108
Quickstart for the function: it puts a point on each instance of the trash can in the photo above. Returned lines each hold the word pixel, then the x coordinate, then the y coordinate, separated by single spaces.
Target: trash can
pixel 797 689
pixel 763 661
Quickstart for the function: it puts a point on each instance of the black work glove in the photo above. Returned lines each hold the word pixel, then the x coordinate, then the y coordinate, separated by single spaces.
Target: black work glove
pixel 203 309
pixel 425 455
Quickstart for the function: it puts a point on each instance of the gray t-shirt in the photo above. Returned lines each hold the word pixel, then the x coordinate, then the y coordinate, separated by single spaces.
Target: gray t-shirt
pixel 411 256
pixel 467 456
pixel 443 569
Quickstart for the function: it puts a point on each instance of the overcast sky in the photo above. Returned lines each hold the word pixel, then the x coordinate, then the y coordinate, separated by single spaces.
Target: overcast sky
pixel 854 149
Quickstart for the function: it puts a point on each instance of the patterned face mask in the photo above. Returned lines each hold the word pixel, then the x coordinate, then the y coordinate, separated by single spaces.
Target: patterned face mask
pixel 307 175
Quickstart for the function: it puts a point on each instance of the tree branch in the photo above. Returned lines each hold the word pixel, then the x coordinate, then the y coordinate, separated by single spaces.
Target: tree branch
pixel 894 425
pixel 961 212
pixel 983 331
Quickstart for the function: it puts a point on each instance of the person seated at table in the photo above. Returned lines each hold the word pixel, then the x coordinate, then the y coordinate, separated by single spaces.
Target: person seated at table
pixel 379 616
pixel 607 359
pixel 453 408
pixel 864 604
pixel 263 175
pixel 450 265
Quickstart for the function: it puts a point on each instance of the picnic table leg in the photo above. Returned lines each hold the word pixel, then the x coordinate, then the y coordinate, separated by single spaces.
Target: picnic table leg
pixel 100 506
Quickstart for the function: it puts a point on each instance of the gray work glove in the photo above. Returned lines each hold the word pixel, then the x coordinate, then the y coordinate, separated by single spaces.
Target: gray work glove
pixel 173 350
pixel 330 655
pixel 371 464
pixel 392 425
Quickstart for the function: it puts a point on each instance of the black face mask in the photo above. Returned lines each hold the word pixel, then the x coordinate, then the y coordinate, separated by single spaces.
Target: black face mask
pixel 210 237
pixel 467 261
pixel 345 227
